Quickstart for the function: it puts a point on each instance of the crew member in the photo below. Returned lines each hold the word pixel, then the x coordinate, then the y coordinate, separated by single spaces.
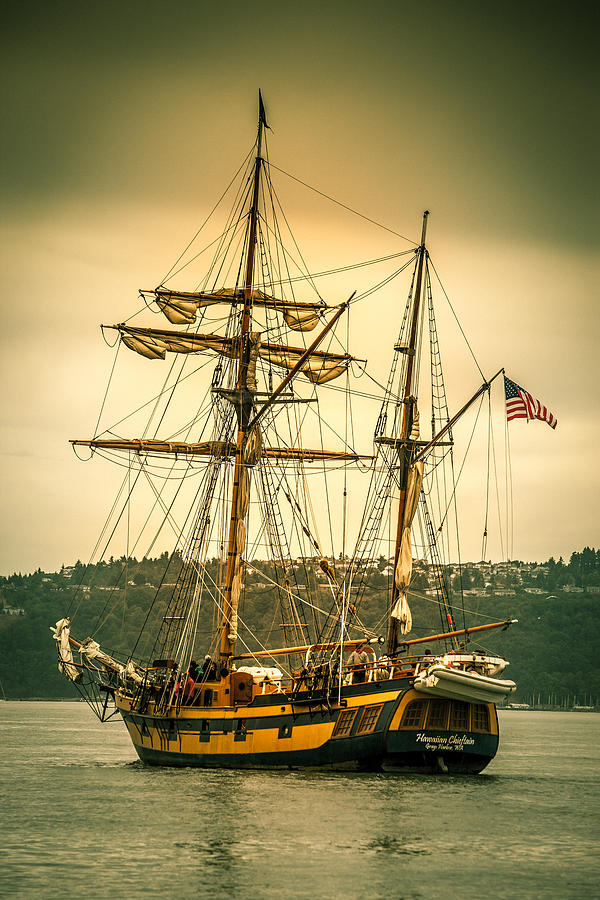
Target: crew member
pixel 357 661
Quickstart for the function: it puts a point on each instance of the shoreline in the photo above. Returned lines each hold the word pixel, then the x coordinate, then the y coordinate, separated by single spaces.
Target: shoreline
pixel 499 708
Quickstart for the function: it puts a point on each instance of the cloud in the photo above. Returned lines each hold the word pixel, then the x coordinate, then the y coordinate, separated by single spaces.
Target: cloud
pixel 124 122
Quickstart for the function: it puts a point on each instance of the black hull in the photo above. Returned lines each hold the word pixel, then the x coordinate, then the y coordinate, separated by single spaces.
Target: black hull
pixel 439 752
pixel 435 764
pixel 397 764
pixel 307 760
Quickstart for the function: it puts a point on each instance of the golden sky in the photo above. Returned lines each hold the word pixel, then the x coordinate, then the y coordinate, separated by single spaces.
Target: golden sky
pixel 123 122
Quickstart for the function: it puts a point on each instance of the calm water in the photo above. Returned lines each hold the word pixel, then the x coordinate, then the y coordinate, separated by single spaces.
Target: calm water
pixel 80 817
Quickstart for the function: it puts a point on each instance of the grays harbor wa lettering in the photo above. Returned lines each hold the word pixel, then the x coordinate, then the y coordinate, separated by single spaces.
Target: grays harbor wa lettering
pixel 443 741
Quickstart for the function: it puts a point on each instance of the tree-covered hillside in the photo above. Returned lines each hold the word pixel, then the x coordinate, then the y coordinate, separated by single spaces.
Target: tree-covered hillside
pixel 551 650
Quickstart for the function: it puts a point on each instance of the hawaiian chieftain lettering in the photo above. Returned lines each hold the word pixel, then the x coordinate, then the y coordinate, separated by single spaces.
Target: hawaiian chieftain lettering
pixel 444 742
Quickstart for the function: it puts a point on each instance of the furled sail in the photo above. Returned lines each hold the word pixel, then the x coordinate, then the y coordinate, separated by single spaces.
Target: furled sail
pixel 66 665
pixel 153 343
pixel 181 307
pixel 239 543
pixel 403 572
pixel 253 451
pixel 92 651
pixel 253 447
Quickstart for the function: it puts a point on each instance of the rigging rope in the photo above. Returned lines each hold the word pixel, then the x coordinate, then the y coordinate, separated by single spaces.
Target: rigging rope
pixel 343 205
pixel 509 492
pixel 497 494
pixel 456 318
pixel 182 254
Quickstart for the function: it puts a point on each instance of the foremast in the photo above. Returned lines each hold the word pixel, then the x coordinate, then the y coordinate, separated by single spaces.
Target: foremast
pixel 244 402
pixel 241 439
pixel 248 446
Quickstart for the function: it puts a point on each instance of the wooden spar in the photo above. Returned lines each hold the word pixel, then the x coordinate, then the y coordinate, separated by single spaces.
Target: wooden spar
pixel 459 632
pixel 406 428
pixel 144 445
pixel 286 651
pixel 484 387
pixel 234 552
pixel 215 449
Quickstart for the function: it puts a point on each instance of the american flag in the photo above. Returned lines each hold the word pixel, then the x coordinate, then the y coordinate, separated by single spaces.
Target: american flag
pixel 521 405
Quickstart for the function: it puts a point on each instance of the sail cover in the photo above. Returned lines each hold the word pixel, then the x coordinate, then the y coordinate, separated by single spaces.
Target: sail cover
pixel 239 543
pixel 403 573
pixel 180 307
pixel 65 655
pixel 154 344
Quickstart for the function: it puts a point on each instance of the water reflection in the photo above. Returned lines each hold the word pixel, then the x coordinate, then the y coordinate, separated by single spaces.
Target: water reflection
pixel 402 845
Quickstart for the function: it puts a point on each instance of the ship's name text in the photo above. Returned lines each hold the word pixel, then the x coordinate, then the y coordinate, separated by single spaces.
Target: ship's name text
pixel 444 742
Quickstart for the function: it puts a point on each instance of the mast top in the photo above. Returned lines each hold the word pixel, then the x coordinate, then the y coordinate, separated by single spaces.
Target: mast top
pixel 424 229
pixel 262 116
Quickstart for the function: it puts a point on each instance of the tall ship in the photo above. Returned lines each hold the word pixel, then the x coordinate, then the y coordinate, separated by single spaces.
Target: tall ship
pixel 281 631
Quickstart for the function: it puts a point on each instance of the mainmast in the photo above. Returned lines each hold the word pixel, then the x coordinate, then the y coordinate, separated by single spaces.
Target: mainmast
pixel 405 450
pixel 247 313
pixel 409 400
pixel 244 400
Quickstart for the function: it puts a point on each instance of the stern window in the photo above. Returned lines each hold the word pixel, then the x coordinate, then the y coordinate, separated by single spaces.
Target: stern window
pixel 459 719
pixel 481 717
pixel 414 714
pixel 344 723
pixel 438 714
pixel 369 718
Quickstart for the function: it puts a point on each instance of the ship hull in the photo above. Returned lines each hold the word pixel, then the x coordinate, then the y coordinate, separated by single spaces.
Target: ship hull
pixel 439 752
pixel 369 727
